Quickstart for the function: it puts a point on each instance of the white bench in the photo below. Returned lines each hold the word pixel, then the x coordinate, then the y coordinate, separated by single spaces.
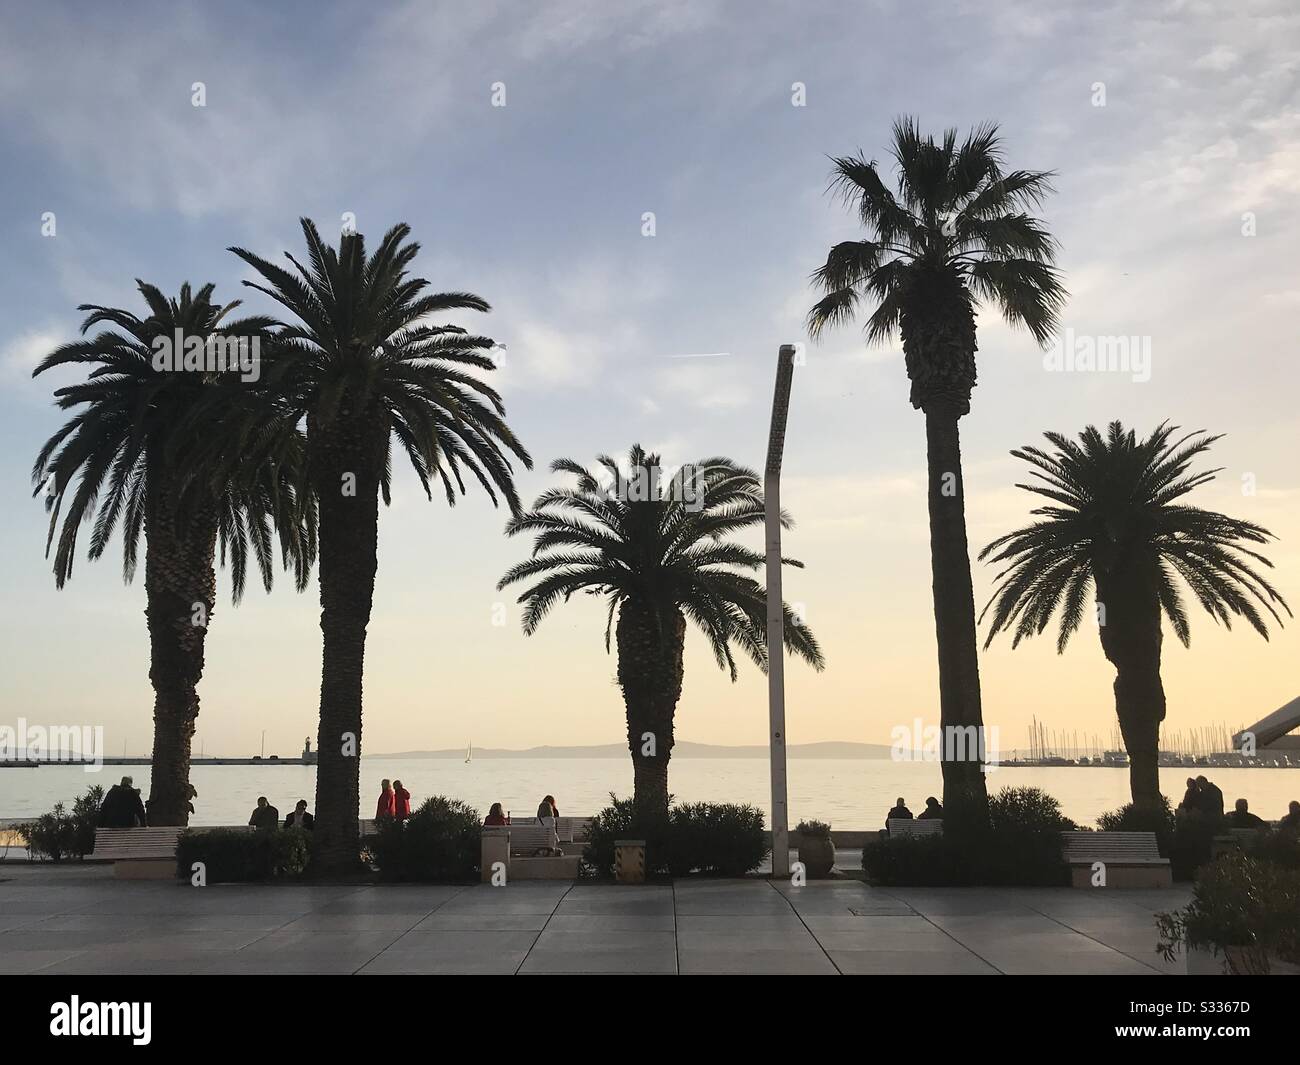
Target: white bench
pixel 1236 839
pixel 900 826
pixel 134 844
pixel 514 848
pixel 139 853
pixel 1131 859
pixel 532 836
pixel 573 829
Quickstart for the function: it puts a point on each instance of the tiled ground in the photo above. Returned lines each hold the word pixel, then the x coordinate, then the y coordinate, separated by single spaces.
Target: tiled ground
pixel 81 920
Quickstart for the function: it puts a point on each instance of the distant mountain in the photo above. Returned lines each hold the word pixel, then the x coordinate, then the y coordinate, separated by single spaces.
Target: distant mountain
pixel 683 749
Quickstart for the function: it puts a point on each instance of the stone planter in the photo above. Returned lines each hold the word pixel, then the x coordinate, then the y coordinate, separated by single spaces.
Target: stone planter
pixel 817 853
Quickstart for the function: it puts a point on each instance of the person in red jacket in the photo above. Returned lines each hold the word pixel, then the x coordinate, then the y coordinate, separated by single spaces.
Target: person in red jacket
pixel 387 801
pixel 401 801
pixel 496 816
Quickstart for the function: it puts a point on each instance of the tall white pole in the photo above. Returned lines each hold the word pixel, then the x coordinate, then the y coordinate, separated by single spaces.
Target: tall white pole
pixel 775 620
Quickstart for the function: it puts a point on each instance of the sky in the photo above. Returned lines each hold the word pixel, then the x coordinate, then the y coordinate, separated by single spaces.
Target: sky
pixel 1174 131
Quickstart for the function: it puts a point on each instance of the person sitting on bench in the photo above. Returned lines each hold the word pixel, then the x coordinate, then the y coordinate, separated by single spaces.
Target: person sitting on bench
pixel 933 810
pixel 300 818
pixel 496 816
pixel 1241 817
pixel 265 816
pixel 122 807
pixel 1291 821
pixel 900 812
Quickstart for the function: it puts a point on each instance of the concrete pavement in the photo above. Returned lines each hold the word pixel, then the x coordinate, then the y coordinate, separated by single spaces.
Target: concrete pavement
pixel 80 920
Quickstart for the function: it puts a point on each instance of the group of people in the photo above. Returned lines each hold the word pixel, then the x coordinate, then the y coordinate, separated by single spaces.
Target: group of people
pixel 267 817
pixel 933 811
pixel 547 812
pixel 394 801
pixel 1204 797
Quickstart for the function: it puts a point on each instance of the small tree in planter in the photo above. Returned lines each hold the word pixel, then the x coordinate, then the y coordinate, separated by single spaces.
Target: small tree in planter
pixel 816 848
pixel 59 835
pixel 1244 909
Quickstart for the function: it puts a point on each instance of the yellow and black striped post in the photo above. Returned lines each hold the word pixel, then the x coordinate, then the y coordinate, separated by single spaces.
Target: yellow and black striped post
pixel 629 861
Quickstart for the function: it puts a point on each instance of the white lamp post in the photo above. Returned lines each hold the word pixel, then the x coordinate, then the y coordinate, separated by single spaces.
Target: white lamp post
pixel 775 620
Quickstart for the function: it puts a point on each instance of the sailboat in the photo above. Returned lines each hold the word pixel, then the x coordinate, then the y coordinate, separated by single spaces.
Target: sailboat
pixel 469 754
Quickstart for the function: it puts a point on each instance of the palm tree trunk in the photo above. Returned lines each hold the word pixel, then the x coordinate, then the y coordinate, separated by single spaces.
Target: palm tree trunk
pixel 346 460
pixel 1140 702
pixel 180 591
pixel 954 614
pixel 1131 638
pixel 650 784
pixel 650 673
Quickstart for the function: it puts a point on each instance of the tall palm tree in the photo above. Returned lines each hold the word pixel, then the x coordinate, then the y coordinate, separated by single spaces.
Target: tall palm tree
pixel 128 451
pixel 1116 526
pixel 657 552
pixel 956 233
pixel 362 367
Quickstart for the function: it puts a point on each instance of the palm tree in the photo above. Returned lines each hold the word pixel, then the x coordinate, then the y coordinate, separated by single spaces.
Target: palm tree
pixel 658 554
pixel 1117 527
pixel 362 368
pixel 956 234
pixel 128 451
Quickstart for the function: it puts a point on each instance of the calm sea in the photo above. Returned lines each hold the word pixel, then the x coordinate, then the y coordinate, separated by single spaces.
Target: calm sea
pixel 850 794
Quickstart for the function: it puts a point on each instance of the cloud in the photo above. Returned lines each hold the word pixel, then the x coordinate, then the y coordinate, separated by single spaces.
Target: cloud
pixel 715 384
pixel 544 356
pixel 1219 58
pixel 21 355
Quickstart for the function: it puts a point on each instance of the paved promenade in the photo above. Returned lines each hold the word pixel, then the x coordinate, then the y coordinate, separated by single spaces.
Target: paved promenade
pixel 80 920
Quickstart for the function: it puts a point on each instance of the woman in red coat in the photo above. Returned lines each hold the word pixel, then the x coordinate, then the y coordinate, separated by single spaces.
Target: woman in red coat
pixel 401 801
pixel 387 801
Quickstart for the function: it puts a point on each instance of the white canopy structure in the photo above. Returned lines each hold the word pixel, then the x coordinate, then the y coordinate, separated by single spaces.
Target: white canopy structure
pixel 1273 727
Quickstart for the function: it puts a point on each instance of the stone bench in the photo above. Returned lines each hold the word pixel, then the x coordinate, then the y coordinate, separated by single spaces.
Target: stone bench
pixel 515 847
pixel 1131 859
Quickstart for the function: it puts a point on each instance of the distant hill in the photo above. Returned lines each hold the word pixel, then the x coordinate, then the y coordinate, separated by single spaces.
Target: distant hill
pixel 683 749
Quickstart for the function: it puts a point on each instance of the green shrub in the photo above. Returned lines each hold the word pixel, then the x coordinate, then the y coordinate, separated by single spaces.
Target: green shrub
pixel 439 842
pixel 232 855
pixel 721 839
pixel 1237 902
pixel 813 829
pixel 58 834
pixel 918 861
pixel 1135 817
pixel 718 839
pixel 1020 844
pixel 1027 810
pixel 617 821
pixel 1279 846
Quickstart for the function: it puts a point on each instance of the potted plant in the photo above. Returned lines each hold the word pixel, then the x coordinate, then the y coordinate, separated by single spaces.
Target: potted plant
pixel 1246 910
pixel 816 848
